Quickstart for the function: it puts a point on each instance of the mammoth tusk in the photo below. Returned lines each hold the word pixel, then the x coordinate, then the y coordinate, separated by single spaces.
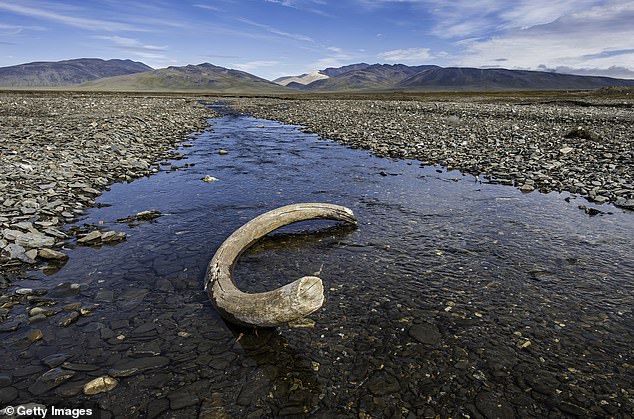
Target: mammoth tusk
pixel 282 305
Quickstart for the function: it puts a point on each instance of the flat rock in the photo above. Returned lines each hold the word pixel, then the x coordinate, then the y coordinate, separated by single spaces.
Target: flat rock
pixel 100 385
pixel 51 254
pixel 49 380
pixel 132 366
pixel 426 333
pixel 493 407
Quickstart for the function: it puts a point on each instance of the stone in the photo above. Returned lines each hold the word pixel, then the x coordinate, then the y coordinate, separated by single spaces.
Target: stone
pixel 132 366
pixel 15 251
pixel 100 385
pixel 5 380
pixel 34 240
pixel 71 318
pixel 7 395
pixel 50 254
pixel 493 407
pixel 566 150
pixel 209 179
pixel 55 360
pixel 425 333
pixel 91 237
pixel 49 380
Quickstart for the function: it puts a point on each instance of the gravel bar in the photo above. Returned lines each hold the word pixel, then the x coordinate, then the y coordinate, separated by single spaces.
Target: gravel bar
pixel 582 147
pixel 59 151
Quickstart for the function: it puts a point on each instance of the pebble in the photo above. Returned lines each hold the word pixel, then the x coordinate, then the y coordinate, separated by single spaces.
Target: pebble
pixel 425 333
pixel 100 385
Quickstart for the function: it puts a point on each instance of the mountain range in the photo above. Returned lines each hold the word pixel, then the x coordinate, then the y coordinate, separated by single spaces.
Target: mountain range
pixel 65 73
pixel 124 75
pixel 202 77
pixel 399 77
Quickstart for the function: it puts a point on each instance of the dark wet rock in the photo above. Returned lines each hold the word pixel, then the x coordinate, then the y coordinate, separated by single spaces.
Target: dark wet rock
pixel 34 335
pixel 71 318
pixel 131 366
pixel 573 409
pixel 425 333
pixel 493 406
pixel 65 289
pixel 214 407
pixel 79 367
pixel 7 395
pixel 55 360
pixel 5 380
pixel 182 398
pixel 105 295
pixel 49 380
pixel 383 383
pixel 157 407
pixel 148 215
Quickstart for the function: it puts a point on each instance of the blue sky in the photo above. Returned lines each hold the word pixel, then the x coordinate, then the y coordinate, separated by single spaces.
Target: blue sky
pixel 271 38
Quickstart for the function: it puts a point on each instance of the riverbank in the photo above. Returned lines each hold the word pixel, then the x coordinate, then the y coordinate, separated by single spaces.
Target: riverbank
pixel 583 147
pixel 59 151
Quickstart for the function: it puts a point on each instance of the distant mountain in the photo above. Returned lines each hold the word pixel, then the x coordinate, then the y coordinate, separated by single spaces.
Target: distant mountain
pixel 335 71
pixel 458 78
pixel 364 77
pixel 399 77
pixel 66 73
pixel 202 77
pixel 305 78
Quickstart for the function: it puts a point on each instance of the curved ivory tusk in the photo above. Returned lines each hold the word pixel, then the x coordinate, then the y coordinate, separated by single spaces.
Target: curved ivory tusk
pixel 284 304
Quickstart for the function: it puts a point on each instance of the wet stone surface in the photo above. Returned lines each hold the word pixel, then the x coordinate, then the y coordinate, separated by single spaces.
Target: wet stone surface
pixel 453 298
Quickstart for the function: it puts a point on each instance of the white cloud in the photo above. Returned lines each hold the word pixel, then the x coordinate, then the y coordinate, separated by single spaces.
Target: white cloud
pixel 131 44
pixel 595 38
pixel 78 22
pixel 275 31
pixel 405 55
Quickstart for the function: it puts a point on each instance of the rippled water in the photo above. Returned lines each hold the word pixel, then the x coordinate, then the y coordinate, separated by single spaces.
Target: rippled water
pixel 452 297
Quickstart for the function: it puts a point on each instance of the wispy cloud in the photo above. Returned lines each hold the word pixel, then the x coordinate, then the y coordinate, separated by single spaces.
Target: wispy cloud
pixel 255 65
pixel 136 47
pixel 405 55
pixel 78 22
pixel 207 7
pixel 275 31
pixel 311 6
pixel 131 43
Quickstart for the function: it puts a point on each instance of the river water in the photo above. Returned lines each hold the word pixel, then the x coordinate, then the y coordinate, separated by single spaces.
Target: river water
pixel 452 298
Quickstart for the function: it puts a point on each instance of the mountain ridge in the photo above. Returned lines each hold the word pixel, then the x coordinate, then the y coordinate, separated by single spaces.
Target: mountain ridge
pixel 66 72
pixel 399 77
pixel 200 77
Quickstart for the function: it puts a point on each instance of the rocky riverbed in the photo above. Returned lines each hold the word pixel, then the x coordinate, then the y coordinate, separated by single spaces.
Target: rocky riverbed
pixel 584 147
pixel 59 151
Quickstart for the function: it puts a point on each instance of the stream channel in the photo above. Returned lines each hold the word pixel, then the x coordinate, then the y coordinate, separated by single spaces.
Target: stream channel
pixel 452 298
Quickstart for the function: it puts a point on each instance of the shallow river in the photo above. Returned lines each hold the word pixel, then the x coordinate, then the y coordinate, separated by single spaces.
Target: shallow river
pixel 452 298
